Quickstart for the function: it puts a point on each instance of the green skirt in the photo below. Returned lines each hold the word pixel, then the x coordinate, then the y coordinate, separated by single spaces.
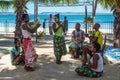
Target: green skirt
pixel 87 71
pixel 59 46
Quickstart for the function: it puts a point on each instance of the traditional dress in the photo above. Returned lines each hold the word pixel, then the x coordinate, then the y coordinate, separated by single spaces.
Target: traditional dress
pixel 30 54
pixel 59 42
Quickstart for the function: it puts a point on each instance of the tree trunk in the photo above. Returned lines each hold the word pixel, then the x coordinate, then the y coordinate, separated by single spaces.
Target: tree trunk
pixel 117 28
pixel 18 23
pixel 19 11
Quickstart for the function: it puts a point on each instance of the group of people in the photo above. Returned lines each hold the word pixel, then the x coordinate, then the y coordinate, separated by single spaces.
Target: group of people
pixel 51 22
pixel 93 68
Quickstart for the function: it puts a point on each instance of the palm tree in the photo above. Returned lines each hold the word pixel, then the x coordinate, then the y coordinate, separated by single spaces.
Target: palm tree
pixel 20 8
pixel 115 7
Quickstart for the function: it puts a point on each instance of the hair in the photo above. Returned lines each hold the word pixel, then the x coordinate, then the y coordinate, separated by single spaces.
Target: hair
pixel 96 46
pixel 65 17
pixel 51 15
pixel 97 24
pixel 24 16
pixel 16 40
pixel 78 23
pixel 56 16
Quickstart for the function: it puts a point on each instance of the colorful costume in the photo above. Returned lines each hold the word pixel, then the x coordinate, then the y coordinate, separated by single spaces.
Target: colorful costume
pixel 30 54
pixel 59 43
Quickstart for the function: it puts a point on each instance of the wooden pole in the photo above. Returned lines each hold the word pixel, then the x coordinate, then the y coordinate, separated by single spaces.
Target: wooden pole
pixel 35 13
pixel 85 17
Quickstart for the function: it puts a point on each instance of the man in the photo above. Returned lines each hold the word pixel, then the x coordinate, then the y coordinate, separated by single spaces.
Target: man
pixel 95 38
pixel 77 41
pixel 44 26
pixel 50 20
pixel 65 25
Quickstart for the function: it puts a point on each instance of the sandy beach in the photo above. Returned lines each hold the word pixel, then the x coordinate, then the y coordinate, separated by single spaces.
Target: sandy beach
pixel 46 68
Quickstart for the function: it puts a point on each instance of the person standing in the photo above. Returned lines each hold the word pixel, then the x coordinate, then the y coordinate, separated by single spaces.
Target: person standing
pixel 29 51
pixel 65 25
pixel 44 26
pixel 50 20
pixel 58 40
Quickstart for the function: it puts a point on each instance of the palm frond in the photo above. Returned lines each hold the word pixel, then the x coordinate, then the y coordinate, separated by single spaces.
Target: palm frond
pixel 5 4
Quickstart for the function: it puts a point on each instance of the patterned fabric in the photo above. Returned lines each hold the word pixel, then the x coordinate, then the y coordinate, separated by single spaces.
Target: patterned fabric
pixel 72 45
pixel 59 46
pixel 87 71
pixel 30 54
pixel 78 35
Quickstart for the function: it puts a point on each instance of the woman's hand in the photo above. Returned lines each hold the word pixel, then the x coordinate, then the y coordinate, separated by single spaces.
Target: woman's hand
pixel 84 62
pixel 38 25
pixel 75 42
pixel 62 24
pixel 86 35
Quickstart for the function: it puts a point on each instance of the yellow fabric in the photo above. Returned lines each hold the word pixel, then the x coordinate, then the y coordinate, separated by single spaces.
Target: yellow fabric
pixel 98 34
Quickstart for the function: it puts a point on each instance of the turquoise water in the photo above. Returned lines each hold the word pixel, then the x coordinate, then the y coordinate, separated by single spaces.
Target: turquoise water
pixel 72 17
pixel 106 20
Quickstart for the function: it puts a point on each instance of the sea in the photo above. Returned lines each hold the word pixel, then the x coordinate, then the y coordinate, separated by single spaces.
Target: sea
pixel 7 19
pixel 72 17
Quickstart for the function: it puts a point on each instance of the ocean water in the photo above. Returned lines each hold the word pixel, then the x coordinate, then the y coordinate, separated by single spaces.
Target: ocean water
pixel 72 17
pixel 106 20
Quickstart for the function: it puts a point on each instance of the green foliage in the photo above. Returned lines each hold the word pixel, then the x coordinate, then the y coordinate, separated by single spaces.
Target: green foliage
pixel 5 4
pixel 88 19
pixel 109 3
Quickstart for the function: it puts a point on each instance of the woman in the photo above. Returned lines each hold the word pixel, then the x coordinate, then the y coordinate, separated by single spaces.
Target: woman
pixel 95 65
pixel 16 57
pixel 59 42
pixel 30 54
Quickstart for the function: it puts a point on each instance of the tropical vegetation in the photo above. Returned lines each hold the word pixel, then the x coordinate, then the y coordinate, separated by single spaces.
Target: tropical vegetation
pixel 115 7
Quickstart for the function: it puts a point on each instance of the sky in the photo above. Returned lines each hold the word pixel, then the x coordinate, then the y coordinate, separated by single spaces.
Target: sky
pixel 66 9
pixel 30 10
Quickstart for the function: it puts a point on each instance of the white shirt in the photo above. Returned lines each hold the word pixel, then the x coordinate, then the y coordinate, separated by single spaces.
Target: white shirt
pixel 51 21
pixel 100 63
pixel 25 33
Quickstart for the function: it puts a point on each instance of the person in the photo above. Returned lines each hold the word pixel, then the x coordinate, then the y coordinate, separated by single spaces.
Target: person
pixel 96 37
pixel 95 64
pixel 77 41
pixel 50 21
pixel 65 25
pixel 58 40
pixel 44 26
pixel 17 57
pixel 29 51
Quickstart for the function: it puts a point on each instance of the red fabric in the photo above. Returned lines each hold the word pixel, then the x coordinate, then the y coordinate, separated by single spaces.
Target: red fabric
pixel 30 54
